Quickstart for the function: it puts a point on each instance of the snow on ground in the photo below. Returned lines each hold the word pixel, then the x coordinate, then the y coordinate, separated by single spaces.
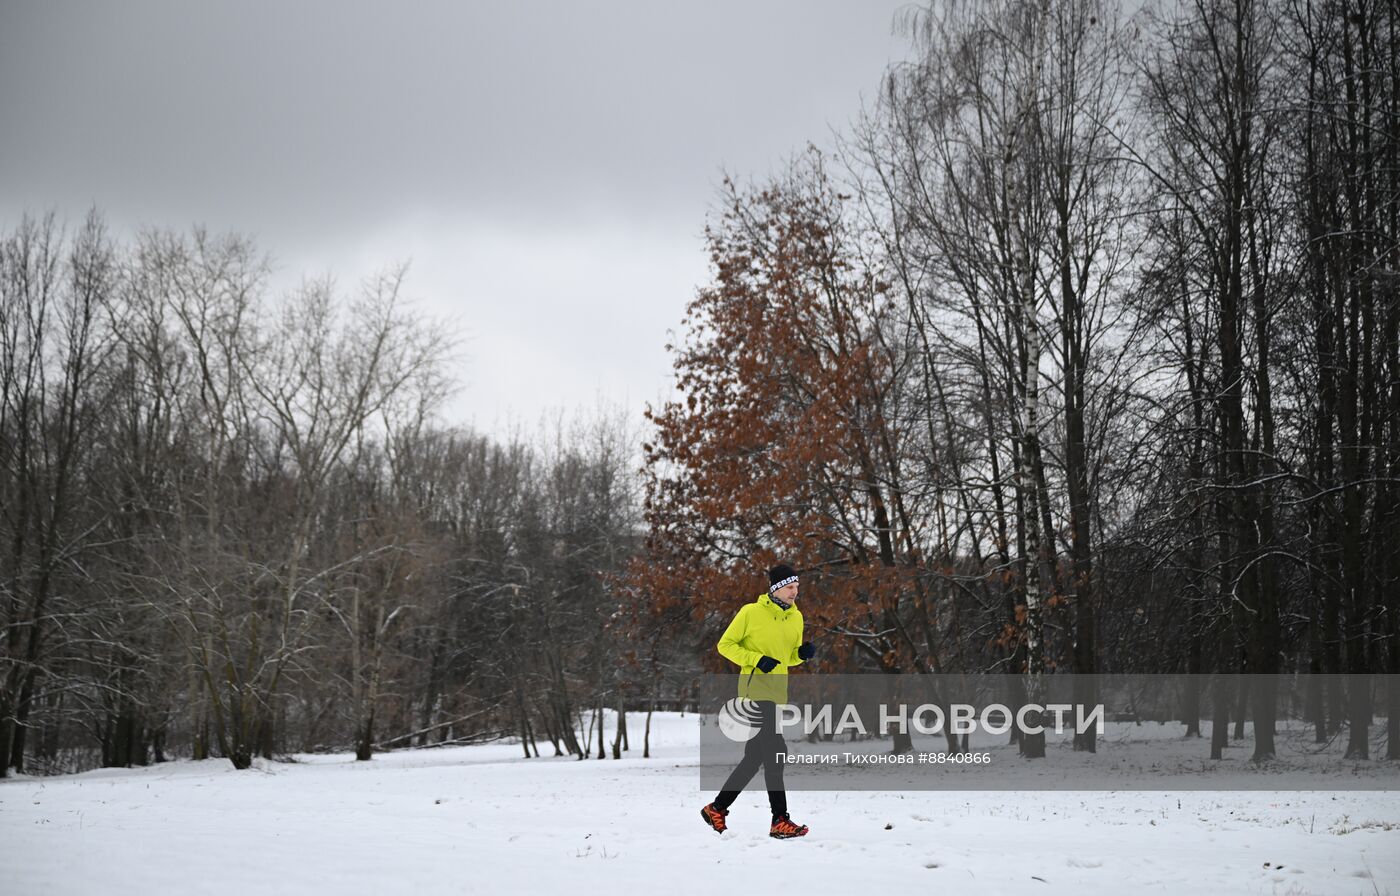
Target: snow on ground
pixel 484 820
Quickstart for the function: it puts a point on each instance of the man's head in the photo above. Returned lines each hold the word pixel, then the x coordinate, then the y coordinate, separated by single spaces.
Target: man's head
pixel 782 584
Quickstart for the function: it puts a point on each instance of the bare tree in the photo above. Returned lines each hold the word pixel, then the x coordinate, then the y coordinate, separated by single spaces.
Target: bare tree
pixel 53 345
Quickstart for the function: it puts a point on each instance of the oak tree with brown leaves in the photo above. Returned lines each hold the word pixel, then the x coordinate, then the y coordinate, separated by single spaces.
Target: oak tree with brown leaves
pixel 782 442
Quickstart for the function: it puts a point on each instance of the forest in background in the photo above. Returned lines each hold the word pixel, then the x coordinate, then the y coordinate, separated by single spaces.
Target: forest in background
pixel 1079 353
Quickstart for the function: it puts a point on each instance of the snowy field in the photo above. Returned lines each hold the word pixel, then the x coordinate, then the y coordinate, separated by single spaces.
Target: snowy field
pixel 483 820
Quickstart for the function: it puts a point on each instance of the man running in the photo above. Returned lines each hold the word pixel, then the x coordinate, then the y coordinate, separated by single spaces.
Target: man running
pixel 765 638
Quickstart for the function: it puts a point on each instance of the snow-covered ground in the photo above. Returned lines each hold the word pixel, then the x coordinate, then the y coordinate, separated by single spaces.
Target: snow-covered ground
pixel 484 820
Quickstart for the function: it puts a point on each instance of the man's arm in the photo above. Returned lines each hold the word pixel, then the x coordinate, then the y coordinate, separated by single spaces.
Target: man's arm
pixel 729 646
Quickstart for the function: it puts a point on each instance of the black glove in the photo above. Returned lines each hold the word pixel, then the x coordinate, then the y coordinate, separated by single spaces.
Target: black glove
pixel 767 664
pixel 806 651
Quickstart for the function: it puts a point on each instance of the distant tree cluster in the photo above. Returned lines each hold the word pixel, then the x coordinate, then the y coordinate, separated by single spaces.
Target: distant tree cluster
pixel 230 524
pixel 1086 362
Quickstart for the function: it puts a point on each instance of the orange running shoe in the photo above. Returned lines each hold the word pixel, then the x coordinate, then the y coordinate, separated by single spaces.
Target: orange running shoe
pixel 784 829
pixel 714 817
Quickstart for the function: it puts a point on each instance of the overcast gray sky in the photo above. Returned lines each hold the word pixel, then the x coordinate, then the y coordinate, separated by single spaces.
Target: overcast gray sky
pixel 545 166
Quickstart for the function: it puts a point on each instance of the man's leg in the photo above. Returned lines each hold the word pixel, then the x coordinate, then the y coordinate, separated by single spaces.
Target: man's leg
pixel 774 758
pixel 754 752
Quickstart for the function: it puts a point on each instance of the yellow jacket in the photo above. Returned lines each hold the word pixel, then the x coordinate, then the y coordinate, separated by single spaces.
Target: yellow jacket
pixel 761 629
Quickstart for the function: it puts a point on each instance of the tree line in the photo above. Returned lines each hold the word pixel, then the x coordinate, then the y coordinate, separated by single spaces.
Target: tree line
pixel 1079 353
pixel 234 525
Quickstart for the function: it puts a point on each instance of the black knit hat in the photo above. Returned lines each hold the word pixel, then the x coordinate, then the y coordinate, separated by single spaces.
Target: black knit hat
pixel 781 575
